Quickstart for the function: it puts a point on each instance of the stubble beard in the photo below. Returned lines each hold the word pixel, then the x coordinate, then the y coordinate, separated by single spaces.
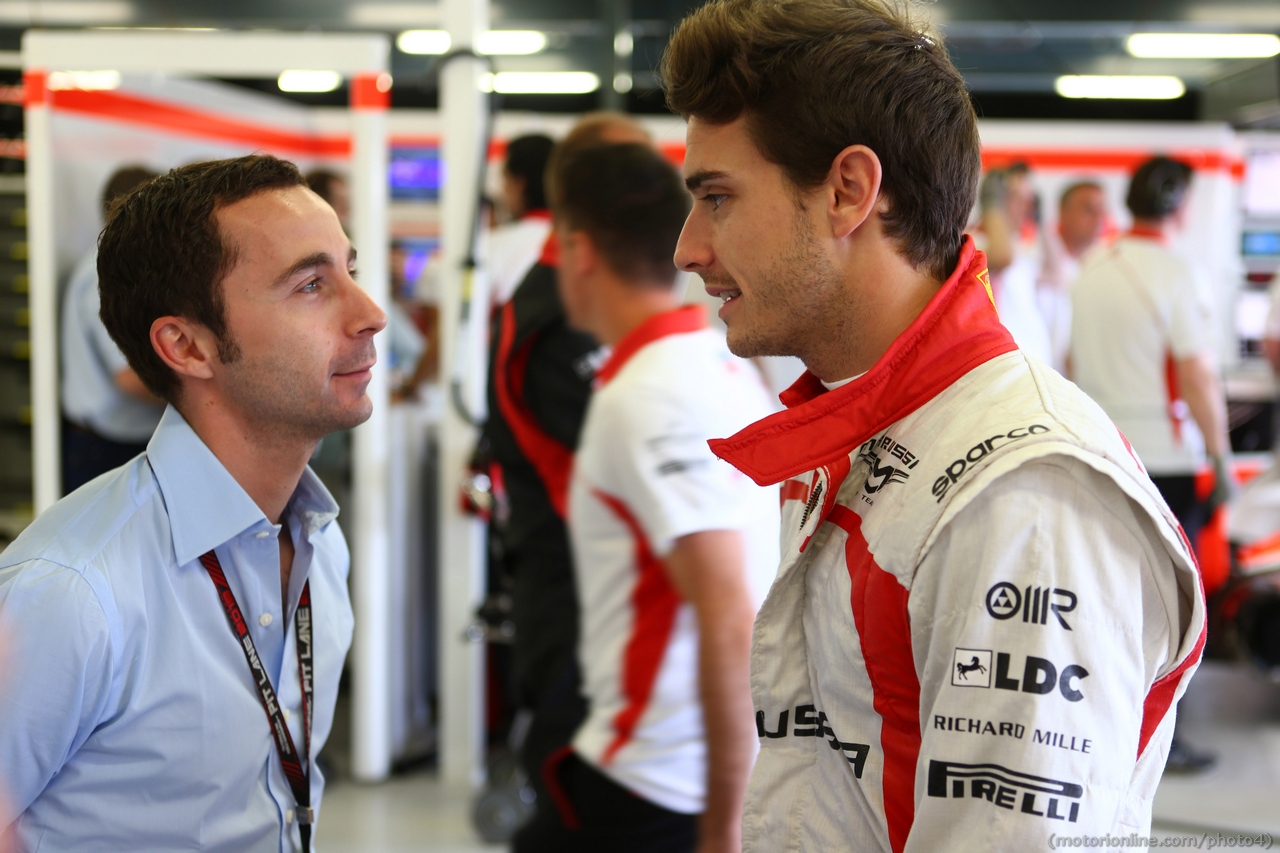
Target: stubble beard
pixel 793 302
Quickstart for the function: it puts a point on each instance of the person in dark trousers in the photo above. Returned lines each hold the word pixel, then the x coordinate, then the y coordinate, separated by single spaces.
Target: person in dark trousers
pixel 108 414
pixel 539 383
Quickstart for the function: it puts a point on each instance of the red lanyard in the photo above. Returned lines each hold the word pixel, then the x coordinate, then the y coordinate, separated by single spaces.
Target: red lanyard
pixel 293 765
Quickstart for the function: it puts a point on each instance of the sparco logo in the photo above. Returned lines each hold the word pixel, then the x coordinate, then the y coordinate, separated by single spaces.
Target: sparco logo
pixel 1005 601
pixel 882 474
pixel 1001 786
pixel 972 668
pixel 977 453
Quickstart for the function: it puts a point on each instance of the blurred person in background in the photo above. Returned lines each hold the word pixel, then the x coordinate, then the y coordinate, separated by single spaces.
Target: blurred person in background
pixel 540 376
pixel 1143 347
pixel 180 624
pixel 1005 231
pixel 108 413
pixel 1082 217
pixel 673 549
pixel 514 247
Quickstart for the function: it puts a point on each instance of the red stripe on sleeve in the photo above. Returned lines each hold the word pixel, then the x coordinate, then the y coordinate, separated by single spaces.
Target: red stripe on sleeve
pixel 880 613
pixel 654 602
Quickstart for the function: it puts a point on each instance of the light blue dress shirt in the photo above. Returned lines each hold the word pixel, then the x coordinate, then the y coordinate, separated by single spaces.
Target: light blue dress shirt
pixel 90 362
pixel 128 716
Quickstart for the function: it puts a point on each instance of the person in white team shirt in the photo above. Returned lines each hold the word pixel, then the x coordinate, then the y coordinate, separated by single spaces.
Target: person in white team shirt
pixel 673 549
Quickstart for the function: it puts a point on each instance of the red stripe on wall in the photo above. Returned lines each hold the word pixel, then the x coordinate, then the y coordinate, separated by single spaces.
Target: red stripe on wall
pixel 879 605
pixel 186 121
pixel 654 602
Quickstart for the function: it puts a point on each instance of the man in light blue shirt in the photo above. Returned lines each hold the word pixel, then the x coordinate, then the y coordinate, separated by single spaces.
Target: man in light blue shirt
pixel 108 413
pixel 168 622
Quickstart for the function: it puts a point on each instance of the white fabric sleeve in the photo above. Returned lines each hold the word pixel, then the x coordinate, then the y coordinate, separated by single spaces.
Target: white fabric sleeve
pixel 55 676
pixel 1190 315
pixel 665 472
pixel 1041 616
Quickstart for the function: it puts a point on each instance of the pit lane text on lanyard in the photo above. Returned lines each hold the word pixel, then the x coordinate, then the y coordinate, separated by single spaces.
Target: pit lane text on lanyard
pixel 293 765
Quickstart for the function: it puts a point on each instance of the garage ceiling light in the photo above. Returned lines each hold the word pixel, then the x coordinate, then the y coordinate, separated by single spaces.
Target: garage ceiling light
pixel 1203 45
pixel 87 80
pixel 309 81
pixel 1132 87
pixel 540 82
pixel 492 43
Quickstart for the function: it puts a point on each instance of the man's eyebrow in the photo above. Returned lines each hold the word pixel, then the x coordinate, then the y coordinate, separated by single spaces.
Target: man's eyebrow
pixel 703 176
pixel 315 259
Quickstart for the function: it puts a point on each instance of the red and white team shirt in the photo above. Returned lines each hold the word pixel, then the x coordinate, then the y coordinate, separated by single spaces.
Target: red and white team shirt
pixel 984 614
pixel 643 477
pixel 1136 309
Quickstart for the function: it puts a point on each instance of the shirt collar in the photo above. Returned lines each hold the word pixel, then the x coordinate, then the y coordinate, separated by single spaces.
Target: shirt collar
pixel 957 331
pixel 206 505
pixel 689 318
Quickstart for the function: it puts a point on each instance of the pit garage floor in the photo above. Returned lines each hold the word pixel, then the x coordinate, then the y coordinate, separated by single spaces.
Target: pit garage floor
pixel 1229 710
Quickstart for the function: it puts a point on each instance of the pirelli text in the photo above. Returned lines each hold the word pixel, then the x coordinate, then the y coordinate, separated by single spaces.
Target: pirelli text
pixel 1203 841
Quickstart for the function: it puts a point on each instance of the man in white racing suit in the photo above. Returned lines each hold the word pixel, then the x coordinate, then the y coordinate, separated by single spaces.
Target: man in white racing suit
pixel 984 612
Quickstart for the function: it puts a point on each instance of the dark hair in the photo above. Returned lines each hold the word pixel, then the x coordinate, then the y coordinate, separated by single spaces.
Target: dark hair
pixel 161 254
pixel 321 181
pixel 1158 188
pixel 1077 187
pixel 121 182
pixel 527 158
pixel 592 129
pixel 632 204
pixel 815 76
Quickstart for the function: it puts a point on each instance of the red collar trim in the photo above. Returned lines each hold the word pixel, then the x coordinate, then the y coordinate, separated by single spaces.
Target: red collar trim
pixel 957 331
pixel 537 213
pixel 690 318
pixel 1147 233
pixel 550 256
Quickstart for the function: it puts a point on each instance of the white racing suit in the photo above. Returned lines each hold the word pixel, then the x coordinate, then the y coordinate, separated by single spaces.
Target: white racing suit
pixel 984 614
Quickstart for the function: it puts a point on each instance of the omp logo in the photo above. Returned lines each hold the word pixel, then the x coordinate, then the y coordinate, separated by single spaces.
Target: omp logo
pixel 1005 601
pixel 1001 787
pixel 971 668
pixel 985 278
pixel 977 453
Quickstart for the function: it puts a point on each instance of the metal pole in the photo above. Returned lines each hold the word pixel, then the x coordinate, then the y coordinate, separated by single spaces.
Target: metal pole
pixel 462 545
pixel 46 423
pixel 371 463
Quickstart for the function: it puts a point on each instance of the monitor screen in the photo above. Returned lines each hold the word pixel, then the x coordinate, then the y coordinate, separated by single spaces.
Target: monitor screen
pixel 1260 243
pixel 414 173
pixel 1262 183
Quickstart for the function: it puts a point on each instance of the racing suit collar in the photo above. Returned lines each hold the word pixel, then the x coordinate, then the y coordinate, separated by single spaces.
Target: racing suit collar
pixel 688 318
pixel 957 331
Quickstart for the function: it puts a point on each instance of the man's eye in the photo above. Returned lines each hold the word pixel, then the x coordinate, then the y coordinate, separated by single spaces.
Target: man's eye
pixel 353 272
pixel 716 199
pixel 311 286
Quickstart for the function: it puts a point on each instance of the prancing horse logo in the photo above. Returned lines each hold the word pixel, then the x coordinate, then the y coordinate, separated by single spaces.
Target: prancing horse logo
pixel 974 665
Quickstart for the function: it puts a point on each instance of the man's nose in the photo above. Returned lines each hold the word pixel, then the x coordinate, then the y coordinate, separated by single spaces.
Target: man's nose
pixel 693 250
pixel 364 315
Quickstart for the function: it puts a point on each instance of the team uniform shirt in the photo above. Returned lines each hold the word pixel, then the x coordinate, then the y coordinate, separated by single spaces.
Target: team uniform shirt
pixel 129 717
pixel 511 250
pixel 643 477
pixel 984 613
pixel 90 362
pixel 1136 309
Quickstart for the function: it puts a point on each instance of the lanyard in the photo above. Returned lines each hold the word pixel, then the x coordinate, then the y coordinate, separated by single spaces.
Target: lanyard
pixel 293 766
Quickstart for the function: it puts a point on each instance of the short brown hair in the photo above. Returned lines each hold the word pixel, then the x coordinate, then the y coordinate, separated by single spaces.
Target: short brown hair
pixel 161 255
pixel 815 76
pixel 592 129
pixel 633 205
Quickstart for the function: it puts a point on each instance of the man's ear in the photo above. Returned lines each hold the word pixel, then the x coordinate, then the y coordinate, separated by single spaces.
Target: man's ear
pixel 585 256
pixel 853 189
pixel 188 348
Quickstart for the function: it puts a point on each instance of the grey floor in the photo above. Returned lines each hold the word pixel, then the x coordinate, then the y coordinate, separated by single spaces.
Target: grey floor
pixel 1230 711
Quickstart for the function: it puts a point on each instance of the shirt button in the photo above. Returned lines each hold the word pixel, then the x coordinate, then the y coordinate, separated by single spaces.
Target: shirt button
pixel 262 535
pixel 285 711
pixel 264 620
pixel 288 816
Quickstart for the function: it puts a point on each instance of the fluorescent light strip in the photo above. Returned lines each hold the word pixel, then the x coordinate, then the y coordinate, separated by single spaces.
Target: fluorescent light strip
pixel 309 81
pixel 1203 45
pixel 1127 87
pixel 492 43
pixel 540 82
pixel 86 80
